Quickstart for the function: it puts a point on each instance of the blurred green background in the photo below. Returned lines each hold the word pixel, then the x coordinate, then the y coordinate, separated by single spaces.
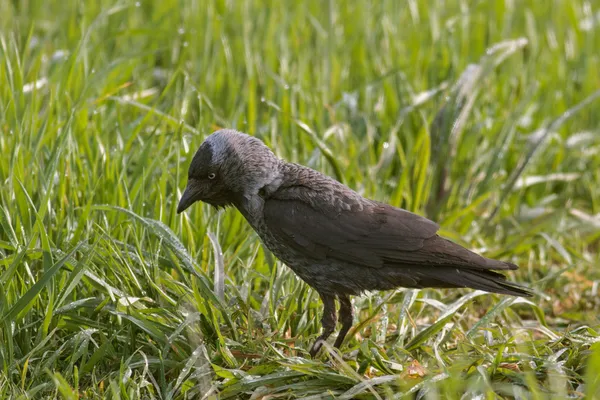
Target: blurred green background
pixel 482 115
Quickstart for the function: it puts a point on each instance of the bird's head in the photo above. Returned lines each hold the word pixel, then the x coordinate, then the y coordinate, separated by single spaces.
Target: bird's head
pixel 227 167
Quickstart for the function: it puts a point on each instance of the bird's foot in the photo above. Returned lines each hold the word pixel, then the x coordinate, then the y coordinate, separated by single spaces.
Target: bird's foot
pixel 316 347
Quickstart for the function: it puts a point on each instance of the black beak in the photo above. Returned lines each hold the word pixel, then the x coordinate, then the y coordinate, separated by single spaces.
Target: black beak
pixel 189 197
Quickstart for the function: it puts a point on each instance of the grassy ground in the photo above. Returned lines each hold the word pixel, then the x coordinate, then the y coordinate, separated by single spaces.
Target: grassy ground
pixel 482 115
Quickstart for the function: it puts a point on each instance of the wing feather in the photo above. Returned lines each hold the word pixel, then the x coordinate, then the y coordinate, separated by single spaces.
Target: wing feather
pixel 367 237
pixel 373 235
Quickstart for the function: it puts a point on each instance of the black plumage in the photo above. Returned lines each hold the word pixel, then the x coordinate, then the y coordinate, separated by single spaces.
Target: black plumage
pixel 337 241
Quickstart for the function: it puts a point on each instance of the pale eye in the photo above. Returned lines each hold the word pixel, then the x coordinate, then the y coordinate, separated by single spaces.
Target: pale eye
pixel 212 175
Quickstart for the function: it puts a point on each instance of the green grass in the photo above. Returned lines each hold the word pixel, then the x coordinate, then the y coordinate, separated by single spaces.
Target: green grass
pixel 483 115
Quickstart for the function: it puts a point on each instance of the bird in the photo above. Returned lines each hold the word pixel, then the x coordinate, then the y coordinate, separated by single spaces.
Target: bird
pixel 337 241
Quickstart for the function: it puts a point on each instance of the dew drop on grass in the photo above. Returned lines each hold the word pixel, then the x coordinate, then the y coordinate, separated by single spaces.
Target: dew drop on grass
pixel 59 55
pixel 34 42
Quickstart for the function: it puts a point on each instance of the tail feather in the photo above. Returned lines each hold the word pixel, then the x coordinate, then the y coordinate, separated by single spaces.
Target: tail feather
pixel 484 280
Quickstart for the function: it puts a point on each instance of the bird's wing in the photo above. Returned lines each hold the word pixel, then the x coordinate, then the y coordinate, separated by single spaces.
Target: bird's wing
pixel 371 236
pixel 375 235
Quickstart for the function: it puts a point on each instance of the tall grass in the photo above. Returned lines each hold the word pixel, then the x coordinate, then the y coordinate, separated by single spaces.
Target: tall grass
pixel 482 115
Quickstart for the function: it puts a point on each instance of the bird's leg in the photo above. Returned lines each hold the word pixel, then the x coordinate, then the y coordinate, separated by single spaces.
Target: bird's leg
pixel 328 322
pixel 346 318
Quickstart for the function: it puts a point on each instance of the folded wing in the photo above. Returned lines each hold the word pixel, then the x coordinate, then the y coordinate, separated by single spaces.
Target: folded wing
pixel 374 236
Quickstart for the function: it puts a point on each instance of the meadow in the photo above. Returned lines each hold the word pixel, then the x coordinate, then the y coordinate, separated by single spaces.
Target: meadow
pixel 481 115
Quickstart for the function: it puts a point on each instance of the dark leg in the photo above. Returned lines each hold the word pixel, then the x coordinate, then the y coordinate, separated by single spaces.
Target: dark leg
pixel 328 322
pixel 346 317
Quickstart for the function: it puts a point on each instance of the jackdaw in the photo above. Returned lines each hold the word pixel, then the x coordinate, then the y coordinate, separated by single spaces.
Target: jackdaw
pixel 337 241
